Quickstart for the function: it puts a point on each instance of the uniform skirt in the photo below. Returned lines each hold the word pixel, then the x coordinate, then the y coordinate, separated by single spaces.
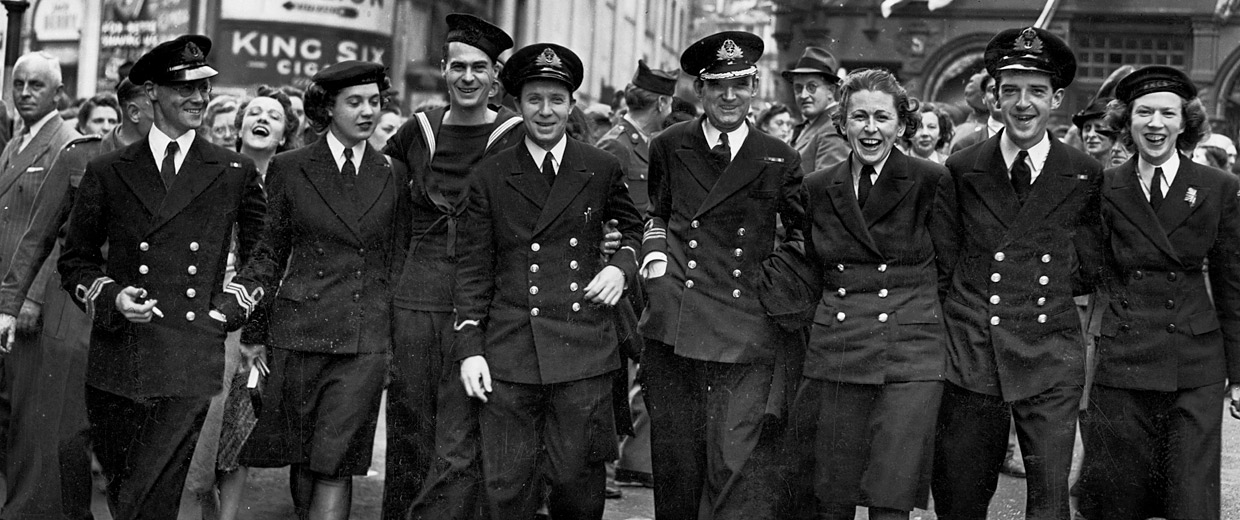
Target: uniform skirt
pixel 319 410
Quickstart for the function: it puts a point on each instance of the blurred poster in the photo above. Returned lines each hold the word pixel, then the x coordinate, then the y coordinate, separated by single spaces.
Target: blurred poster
pixel 130 28
pixel 285 42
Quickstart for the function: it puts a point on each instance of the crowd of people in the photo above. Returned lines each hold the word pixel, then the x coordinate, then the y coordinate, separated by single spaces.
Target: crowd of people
pixel 760 311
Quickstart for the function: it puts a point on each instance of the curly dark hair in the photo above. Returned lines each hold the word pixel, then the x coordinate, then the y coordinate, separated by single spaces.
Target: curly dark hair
pixel 947 129
pixel 878 80
pixel 101 100
pixel 767 115
pixel 291 123
pixel 1119 116
pixel 319 100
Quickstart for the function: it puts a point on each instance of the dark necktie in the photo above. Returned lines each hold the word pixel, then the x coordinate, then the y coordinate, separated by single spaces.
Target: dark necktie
pixel 168 169
pixel 864 184
pixel 348 174
pixel 1156 194
pixel 1021 176
pixel 721 154
pixel 548 169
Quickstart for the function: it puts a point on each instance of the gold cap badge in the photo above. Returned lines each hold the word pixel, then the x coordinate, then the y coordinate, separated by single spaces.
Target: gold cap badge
pixel 730 51
pixel 548 58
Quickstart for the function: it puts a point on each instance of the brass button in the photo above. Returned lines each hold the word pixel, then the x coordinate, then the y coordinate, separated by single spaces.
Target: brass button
pixel 533 268
pixel 994 320
pixel 693 264
pixel 740 232
pixel 1170 304
pixel 576 307
pixel 320 274
pixel 695 224
pixel 736 293
pixel 192 270
pixel 190 293
pixel 1046 259
pixel 534 312
pixel 1171 277
pixel 573 286
pixel 535 247
pixel 142 269
pixel 994 299
pixel 1041 301
pixel 189 316
pixel 1041 318
pixel 144 247
pixel 693 244
pixel 738 252
pixel 842 292
pixel 357 297
pixel 1138 275
pixel 534 290
pixel 572 242
pixel 999 256
pixel 572 264
pixel 882 317
pixel 839 316
pixel 994 277
pixel 193 246
pixel 689 283
pixel 361 251
pixel 882 293
pixel 839 267
pixel 1171 328
pixel 736 273
pixel 882 268
pixel 1043 280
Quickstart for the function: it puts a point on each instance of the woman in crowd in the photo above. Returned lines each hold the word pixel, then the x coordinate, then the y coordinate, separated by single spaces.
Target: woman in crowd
pixel 776 120
pixel 217 123
pixel 389 120
pixel 864 417
pixel 934 134
pixel 98 115
pixel 337 227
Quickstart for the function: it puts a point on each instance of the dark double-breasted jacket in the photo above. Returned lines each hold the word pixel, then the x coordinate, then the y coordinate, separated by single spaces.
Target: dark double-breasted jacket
pixel 1164 328
pixel 628 144
pixel 528 251
pixel 876 314
pixel 715 236
pixel 339 252
pixel 1010 271
pixel 174 244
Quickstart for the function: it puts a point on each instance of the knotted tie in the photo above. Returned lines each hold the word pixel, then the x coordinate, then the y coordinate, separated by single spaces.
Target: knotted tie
pixel 168 169
pixel 864 184
pixel 348 175
pixel 1021 176
pixel 548 169
pixel 721 154
pixel 1156 194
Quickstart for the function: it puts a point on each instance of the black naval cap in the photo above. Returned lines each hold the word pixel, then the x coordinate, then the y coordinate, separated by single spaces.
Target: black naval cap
pixel 474 31
pixel 815 60
pixel 657 81
pixel 728 54
pixel 182 59
pixel 348 73
pixel 1155 78
pixel 1031 49
pixel 542 61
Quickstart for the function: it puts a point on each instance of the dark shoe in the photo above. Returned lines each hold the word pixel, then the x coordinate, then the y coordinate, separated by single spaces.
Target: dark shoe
pixel 612 490
pixel 628 477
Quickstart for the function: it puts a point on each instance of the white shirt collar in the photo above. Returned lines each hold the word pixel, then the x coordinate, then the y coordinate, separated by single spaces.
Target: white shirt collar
pixel 557 152
pixel 994 125
pixel 34 129
pixel 856 170
pixel 1037 154
pixel 637 127
pixel 337 148
pixel 1145 171
pixel 158 142
pixel 736 138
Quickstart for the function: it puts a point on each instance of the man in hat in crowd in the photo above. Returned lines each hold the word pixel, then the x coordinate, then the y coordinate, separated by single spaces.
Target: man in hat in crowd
pixel 29 453
pixel 1170 336
pixel 985 120
pixel 431 423
pixel 534 317
pixel 166 207
pixel 713 362
pixel 1017 229
pixel 649 99
pixel 813 82
pixel 62 370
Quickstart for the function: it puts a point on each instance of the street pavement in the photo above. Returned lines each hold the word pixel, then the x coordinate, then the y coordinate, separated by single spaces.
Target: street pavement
pixel 267 495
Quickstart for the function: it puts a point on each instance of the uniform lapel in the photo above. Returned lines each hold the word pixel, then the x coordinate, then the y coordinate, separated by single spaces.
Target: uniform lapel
pixel 745 167
pixel 526 177
pixel 569 181
pixel 989 179
pixel 892 186
pixel 136 168
pixel 17 163
pixel 371 179
pixel 1127 197
pixel 693 155
pixel 323 174
pixel 202 165
pixel 844 200
pixel 1056 182
pixel 1176 207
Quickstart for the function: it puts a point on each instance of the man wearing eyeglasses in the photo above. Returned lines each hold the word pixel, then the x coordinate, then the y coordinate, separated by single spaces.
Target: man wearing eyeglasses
pixel 813 82
pixel 166 206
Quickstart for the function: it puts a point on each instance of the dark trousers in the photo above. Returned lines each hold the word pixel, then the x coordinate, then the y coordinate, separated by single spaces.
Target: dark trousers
pixel 433 457
pixel 972 443
pixel 145 449
pixel 713 453
pixel 563 433
pixel 1151 454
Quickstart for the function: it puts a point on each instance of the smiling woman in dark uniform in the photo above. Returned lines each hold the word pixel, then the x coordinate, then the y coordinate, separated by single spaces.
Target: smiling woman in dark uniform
pixel 337 226
pixel 865 412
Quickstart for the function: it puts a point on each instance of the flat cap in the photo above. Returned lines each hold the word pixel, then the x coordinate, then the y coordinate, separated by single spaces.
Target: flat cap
pixel 657 81
pixel 815 60
pixel 542 61
pixel 474 31
pixel 728 54
pixel 1034 50
pixel 1155 78
pixel 352 72
pixel 181 59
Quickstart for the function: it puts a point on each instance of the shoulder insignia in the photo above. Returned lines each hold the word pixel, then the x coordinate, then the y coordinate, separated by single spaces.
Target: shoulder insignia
pixel 773 159
pixel 92 138
pixel 235 164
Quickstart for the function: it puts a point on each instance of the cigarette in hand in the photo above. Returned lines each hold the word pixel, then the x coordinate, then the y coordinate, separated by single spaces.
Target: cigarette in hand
pixel 157 311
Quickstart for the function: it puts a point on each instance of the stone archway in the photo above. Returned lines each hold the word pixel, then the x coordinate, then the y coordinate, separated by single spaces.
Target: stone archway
pixel 951 65
pixel 1226 109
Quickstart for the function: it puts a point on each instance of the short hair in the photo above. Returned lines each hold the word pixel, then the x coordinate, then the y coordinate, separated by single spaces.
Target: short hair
pixel 51 60
pixel 878 80
pixel 390 108
pixel 639 99
pixel 1215 155
pixel 291 123
pixel 1119 116
pixel 767 115
pixel 947 128
pixel 100 100
pixel 127 91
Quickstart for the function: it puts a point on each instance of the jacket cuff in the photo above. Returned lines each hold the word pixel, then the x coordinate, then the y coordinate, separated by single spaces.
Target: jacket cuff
pixel 468 340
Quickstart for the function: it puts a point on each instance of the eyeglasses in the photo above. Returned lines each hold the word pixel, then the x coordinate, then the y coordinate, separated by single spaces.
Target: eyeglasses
pixel 188 89
pixel 808 87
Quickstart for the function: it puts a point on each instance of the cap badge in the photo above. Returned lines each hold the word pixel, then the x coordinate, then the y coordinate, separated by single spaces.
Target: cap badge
pixel 730 51
pixel 191 52
pixel 1029 41
pixel 548 58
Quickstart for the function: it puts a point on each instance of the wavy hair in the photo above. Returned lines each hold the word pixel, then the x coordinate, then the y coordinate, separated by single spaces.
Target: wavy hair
pixel 291 123
pixel 947 128
pixel 877 80
pixel 1119 116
